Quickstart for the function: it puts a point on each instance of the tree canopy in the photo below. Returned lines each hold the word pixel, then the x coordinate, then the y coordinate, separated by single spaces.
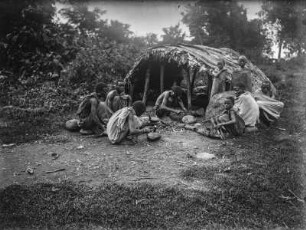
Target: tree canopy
pixel 290 16
pixel 173 35
pixel 224 24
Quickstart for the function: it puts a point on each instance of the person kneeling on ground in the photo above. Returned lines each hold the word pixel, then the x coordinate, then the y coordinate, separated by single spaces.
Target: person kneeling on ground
pixel 92 112
pixel 246 107
pixel 126 122
pixel 167 101
pixel 117 99
pixel 228 124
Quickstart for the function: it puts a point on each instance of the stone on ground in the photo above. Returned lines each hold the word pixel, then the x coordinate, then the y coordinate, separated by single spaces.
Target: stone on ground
pixel 205 156
pixel 72 125
pixel 153 136
pixel 189 119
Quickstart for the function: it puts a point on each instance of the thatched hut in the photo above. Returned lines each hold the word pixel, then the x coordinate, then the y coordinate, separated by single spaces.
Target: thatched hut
pixel 158 68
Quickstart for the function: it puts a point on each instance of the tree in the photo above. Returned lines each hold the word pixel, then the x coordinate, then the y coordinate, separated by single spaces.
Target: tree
pixel 173 35
pixel 117 31
pixel 288 17
pixel 106 50
pixel 151 39
pixel 224 24
pixel 84 20
pixel 31 48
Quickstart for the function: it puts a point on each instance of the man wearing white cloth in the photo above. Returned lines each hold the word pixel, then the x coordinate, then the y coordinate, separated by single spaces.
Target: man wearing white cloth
pixel 246 107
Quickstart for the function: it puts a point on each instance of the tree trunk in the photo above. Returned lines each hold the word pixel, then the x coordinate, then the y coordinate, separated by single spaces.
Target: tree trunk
pixel 193 73
pixel 280 45
pixel 162 72
pixel 188 89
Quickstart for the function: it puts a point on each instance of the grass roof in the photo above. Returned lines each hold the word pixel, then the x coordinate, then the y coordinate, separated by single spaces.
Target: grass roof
pixel 195 57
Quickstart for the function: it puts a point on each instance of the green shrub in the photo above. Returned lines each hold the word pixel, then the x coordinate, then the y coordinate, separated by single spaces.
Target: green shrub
pixel 100 60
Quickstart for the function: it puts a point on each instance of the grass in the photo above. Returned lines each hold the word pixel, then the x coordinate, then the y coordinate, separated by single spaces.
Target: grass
pixel 262 185
pixel 22 130
pixel 257 193
pixel 117 206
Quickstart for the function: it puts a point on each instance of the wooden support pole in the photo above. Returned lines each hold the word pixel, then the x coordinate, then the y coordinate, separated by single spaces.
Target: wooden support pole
pixel 162 72
pixel 131 93
pixel 188 89
pixel 146 86
pixel 193 74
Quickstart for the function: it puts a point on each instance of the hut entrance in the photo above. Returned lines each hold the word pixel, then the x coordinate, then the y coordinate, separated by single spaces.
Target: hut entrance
pixel 153 78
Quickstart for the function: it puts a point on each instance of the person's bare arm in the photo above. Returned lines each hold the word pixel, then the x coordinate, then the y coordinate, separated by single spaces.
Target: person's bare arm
pixel 164 104
pixel 129 99
pixel 109 100
pixel 232 121
pixel 109 110
pixel 159 100
pixel 182 105
pixel 93 112
pixel 133 126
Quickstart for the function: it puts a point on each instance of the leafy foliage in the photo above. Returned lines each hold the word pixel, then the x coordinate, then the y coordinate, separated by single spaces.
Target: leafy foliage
pixel 224 24
pixel 69 56
pixel 290 17
pixel 173 35
pixel 101 60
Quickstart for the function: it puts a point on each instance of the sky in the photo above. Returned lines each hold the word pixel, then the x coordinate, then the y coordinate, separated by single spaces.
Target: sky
pixel 151 16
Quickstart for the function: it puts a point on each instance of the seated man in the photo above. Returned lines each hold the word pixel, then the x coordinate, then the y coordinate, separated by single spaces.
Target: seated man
pixel 167 101
pixel 125 122
pixel 92 113
pixel 246 107
pixel 269 108
pixel 228 124
pixel 266 90
pixel 117 99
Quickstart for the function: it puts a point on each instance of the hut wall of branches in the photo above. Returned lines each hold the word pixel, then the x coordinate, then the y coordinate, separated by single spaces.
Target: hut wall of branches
pixel 159 68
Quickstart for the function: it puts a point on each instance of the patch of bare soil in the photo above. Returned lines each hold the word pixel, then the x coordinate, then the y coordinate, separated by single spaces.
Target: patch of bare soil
pixel 93 161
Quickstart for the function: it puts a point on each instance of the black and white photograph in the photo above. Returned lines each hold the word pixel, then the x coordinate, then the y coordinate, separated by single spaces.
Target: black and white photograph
pixel 152 114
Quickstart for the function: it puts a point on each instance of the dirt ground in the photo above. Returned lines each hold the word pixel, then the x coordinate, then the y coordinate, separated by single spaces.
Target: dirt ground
pixel 92 161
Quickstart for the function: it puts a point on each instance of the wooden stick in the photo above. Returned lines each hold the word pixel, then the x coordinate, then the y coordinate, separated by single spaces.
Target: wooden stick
pixel 162 72
pixel 57 170
pixel 193 75
pixel 146 86
pixel 188 90
pixel 145 178
pixel 298 198
pixel 131 90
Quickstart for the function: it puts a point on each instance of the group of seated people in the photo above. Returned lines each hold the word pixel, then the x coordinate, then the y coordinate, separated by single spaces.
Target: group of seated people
pixel 109 114
pixel 114 115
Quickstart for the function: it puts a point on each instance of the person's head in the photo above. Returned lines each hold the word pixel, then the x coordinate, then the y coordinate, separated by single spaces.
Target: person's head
pixel 101 89
pixel 229 103
pixel 239 89
pixel 139 107
pixel 265 87
pixel 221 64
pixel 242 60
pixel 178 92
pixel 120 87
